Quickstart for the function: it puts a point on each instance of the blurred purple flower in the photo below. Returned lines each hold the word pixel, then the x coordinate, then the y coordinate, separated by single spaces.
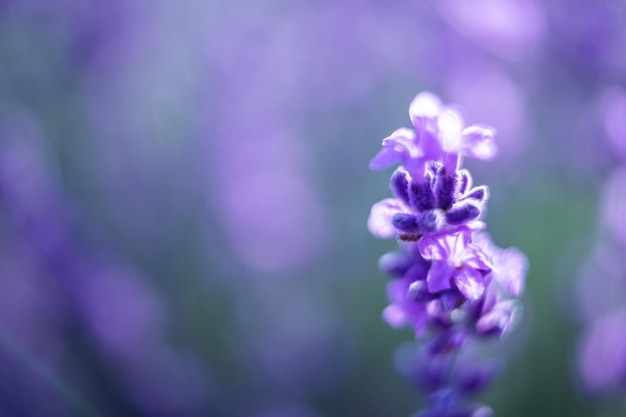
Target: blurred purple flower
pixel 125 316
pixel 602 355
pixel 272 216
pixel 614 205
pixel 590 36
pixel 614 120
pixel 514 29
pixel 487 93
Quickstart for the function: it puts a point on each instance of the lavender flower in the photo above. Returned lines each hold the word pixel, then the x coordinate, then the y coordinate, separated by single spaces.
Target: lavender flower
pixel 450 283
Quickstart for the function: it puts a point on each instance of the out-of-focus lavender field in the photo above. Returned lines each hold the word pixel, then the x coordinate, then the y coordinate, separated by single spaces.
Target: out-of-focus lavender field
pixel 184 191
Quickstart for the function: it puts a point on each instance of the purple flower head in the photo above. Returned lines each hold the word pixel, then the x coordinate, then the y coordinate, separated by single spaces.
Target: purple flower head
pixel 439 136
pixel 456 263
pixel 442 202
pixel 451 284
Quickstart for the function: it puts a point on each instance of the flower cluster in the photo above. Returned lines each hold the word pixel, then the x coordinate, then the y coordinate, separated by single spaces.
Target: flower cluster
pixel 450 283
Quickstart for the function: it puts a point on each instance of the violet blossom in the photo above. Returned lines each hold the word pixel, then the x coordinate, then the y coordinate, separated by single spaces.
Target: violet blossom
pixel 450 284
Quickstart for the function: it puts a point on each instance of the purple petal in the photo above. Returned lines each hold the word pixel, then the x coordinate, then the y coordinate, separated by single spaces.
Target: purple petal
pixel 397 290
pixel 488 301
pixel 450 123
pixel 458 242
pixel 395 316
pixel 397 147
pixel 509 266
pixel 421 196
pixel 478 142
pixel 451 161
pixel 386 157
pixel 431 248
pixel 379 222
pixel 423 223
pixel 480 194
pixel 418 291
pixel 510 271
pixel 470 283
pixel 431 147
pixel 476 225
pixel 439 276
pixel 482 412
pixel 418 270
pixel 462 214
pixel 480 252
pixel 400 185
pixel 408 223
pixel 445 190
pixel 475 258
pixel 395 264
pixel 437 312
pixel 424 109
pixel 419 323
pixel 464 179
pixel 502 317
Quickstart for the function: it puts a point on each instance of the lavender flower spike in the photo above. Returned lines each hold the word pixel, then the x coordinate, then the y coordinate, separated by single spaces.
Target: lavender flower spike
pixel 450 284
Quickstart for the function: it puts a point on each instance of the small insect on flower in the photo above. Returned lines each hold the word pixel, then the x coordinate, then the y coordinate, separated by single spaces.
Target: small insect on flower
pixel 408 237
